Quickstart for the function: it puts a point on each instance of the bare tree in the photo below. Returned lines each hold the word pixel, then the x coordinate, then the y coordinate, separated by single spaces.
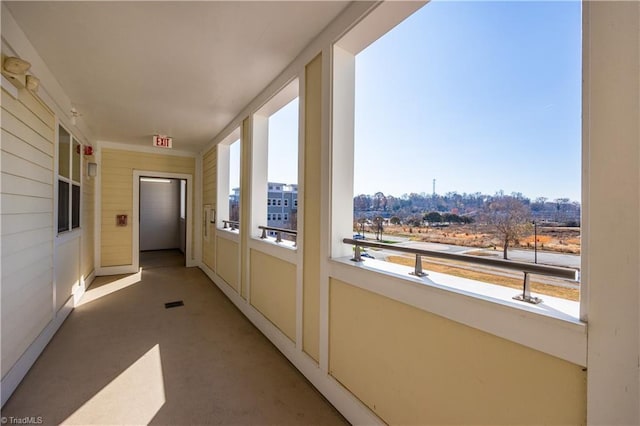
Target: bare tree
pixel 510 217
pixel 378 226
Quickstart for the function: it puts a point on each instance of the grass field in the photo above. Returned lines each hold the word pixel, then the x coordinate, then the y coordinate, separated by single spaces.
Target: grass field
pixel 550 290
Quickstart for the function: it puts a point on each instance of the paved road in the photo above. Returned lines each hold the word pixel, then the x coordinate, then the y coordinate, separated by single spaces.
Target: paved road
pixel 544 258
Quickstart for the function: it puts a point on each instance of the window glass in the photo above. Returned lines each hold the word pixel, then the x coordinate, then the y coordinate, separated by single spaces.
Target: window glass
pixel 63 206
pixel 75 206
pixel 64 143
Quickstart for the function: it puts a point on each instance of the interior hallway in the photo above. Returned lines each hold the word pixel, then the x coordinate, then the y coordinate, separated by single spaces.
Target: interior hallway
pixel 123 358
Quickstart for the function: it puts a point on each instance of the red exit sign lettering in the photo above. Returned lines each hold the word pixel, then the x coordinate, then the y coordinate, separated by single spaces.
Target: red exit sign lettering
pixel 162 141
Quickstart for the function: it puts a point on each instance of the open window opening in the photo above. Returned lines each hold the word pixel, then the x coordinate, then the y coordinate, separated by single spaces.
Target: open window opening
pixel 457 141
pixel 275 168
pixel 228 199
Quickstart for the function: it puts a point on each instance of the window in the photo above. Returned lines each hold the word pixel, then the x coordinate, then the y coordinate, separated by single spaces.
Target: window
pixel 295 202
pixel 268 216
pixel 228 199
pixel 69 163
pixel 275 153
pixel 286 216
pixel 286 202
pixel 511 72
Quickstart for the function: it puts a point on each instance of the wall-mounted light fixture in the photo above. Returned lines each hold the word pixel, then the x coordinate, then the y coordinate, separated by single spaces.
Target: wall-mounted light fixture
pixel 33 83
pixel 15 65
pixel 92 169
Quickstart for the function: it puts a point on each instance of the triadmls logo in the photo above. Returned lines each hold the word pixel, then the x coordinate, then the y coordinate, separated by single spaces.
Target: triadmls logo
pixel 27 420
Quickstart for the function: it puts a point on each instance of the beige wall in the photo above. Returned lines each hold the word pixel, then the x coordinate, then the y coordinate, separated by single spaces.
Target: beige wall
pixel 312 207
pixel 273 291
pixel 412 367
pixel 227 261
pixel 88 218
pixel 117 197
pixel 209 182
pixel 26 285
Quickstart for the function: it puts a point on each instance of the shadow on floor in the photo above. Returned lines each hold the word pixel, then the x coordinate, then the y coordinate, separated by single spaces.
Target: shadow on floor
pixel 123 358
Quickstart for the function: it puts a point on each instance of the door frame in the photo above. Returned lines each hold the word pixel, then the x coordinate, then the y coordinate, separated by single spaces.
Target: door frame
pixel 135 246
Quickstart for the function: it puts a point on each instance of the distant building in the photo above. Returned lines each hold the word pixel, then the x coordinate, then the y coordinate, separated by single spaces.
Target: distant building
pixel 282 205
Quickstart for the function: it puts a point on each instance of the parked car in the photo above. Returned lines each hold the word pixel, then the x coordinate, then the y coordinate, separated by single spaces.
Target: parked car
pixel 365 254
pixel 358 237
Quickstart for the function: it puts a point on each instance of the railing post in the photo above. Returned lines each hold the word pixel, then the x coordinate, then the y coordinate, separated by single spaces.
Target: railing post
pixel 224 222
pixel 295 240
pixel 418 272
pixel 356 254
pixel 526 292
pixel 264 234
pixel 279 237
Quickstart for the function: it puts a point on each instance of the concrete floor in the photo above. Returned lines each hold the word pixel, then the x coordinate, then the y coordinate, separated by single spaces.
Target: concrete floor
pixel 121 357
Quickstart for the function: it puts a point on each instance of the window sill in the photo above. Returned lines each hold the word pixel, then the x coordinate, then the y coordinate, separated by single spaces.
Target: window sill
pixel 67 236
pixel 284 250
pixel 229 234
pixel 552 326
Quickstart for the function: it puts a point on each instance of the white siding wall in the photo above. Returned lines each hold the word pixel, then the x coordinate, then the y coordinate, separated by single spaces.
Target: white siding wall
pixel 28 130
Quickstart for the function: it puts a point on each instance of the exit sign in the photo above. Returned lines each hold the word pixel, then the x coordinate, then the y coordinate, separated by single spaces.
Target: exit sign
pixel 161 141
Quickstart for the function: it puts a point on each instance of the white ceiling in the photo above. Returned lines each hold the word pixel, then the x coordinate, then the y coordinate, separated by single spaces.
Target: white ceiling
pixel 184 69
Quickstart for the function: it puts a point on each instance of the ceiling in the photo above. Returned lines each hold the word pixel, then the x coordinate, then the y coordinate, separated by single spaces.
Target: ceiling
pixel 184 69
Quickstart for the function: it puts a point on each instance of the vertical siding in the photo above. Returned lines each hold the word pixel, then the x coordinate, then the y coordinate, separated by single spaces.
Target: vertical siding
pixel 312 208
pixel 209 182
pixel 28 135
pixel 117 197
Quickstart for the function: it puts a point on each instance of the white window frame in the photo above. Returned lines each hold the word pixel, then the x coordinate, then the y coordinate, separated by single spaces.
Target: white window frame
pixel 546 329
pixel 223 176
pixel 259 163
pixel 69 181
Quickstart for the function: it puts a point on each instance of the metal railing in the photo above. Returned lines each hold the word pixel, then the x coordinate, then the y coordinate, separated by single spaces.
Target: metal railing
pixel 279 232
pixel 234 225
pixel 526 268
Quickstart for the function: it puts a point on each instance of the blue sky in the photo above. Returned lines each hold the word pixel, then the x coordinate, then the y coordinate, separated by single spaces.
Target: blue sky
pixel 481 96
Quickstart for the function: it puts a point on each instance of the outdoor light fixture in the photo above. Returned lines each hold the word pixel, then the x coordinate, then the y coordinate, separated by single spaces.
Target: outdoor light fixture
pixel 15 65
pixel 92 169
pixel 33 83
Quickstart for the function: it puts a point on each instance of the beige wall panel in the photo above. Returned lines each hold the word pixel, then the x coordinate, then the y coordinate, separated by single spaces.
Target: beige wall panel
pixel 273 291
pixel 67 270
pixel 209 178
pixel 15 263
pixel 312 208
pixel 412 367
pixel 117 197
pixel 227 258
pixel 88 219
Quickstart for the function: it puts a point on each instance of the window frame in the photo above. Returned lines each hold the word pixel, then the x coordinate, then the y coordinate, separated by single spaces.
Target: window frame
pixel 223 170
pixel 70 181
